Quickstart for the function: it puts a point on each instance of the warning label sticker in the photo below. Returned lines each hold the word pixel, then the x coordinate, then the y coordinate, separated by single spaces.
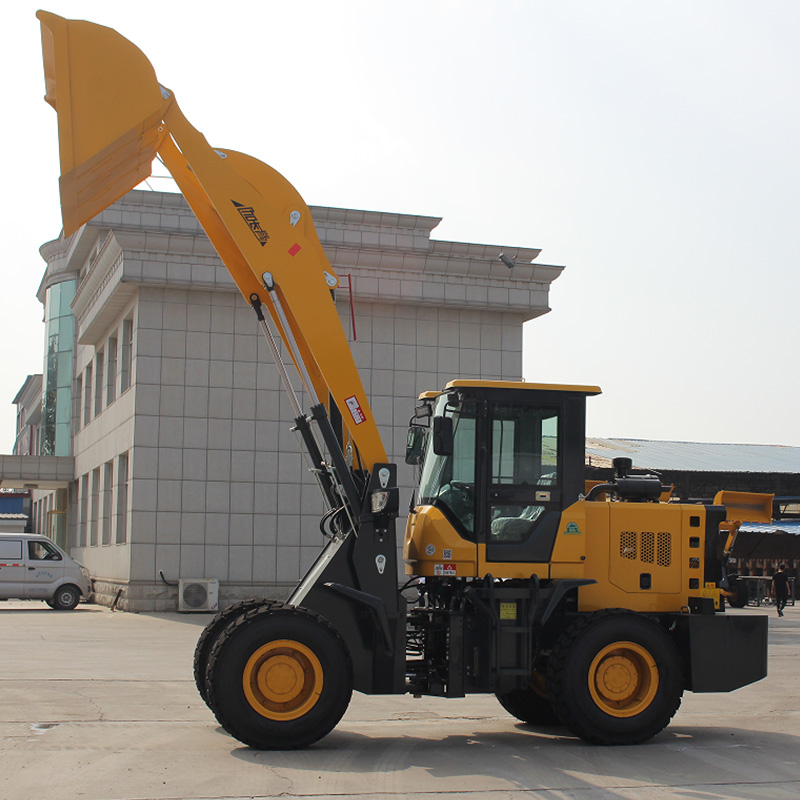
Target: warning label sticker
pixel 355 410
pixel 444 569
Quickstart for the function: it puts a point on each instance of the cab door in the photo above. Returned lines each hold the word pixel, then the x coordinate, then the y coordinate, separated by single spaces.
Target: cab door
pixel 524 504
pixel 12 568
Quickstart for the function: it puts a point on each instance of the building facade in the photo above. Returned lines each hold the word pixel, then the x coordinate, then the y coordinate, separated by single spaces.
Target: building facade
pixel 160 393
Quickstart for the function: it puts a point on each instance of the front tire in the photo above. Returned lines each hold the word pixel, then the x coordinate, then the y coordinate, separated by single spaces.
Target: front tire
pixel 209 637
pixel 66 597
pixel 615 678
pixel 279 678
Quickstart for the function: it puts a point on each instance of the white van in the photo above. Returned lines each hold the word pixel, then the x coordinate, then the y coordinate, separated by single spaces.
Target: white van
pixel 32 567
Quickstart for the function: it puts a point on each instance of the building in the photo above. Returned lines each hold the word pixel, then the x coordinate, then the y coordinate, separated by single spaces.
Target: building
pixel 15 516
pixel 165 450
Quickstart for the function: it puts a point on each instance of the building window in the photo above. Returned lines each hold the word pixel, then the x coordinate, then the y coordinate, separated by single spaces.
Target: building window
pixel 83 509
pixel 57 380
pixel 108 495
pixel 126 355
pixel 99 382
pixel 87 394
pixel 94 507
pixel 122 499
pixel 78 399
pixel 111 371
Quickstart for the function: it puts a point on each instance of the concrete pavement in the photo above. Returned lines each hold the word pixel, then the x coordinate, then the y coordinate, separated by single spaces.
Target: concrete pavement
pixel 102 705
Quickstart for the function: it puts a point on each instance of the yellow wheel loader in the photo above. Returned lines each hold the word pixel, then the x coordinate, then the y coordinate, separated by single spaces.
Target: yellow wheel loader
pixel 593 609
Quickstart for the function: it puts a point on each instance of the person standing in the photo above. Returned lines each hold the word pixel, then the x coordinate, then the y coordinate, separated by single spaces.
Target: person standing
pixel 780 589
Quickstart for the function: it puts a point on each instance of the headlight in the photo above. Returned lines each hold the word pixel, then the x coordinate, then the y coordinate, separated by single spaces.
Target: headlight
pixel 379 501
pixel 385 501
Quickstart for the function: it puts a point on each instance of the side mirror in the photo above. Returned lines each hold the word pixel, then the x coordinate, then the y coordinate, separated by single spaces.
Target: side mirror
pixel 443 436
pixel 415 444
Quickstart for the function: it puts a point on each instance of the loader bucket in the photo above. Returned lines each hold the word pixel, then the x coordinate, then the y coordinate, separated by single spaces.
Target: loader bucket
pixel 746 506
pixel 110 106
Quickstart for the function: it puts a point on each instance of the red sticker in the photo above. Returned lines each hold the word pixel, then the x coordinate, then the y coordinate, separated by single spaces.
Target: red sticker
pixel 294 249
pixel 355 410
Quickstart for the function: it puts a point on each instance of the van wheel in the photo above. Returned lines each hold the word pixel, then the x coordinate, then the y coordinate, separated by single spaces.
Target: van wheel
pixel 66 598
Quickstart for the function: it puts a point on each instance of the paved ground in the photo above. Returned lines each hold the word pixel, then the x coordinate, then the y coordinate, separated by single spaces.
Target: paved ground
pixel 102 705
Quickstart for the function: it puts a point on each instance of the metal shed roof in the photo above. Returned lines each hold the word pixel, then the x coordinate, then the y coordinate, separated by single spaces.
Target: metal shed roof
pixel 776 526
pixel 695 456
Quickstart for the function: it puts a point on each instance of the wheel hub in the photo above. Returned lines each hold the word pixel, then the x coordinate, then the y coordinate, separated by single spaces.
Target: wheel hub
pixel 623 679
pixel 282 680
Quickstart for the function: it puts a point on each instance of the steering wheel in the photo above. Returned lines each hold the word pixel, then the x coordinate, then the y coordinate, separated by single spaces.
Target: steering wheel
pixel 466 489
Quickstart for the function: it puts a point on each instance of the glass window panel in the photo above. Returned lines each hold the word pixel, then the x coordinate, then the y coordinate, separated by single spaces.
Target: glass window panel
pixel 449 481
pixel 63 405
pixel 10 548
pixel 524 445
pixel 62 447
pixel 513 522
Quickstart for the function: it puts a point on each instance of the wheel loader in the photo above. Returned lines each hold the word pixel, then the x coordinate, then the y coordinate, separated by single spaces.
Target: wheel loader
pixel 589 608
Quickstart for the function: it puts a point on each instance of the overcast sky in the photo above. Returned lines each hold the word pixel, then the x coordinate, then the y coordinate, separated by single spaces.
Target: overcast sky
pixel 648 146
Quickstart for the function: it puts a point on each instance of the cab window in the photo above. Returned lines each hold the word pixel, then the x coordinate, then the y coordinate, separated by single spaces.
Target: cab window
pixel 448 481
pixel 524 470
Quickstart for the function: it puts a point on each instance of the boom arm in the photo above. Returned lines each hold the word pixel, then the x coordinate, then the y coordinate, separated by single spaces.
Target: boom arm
pixel 114 118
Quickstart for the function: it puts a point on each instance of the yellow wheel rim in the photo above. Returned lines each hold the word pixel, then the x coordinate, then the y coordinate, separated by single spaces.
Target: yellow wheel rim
pixel 623 679
pixel 282 680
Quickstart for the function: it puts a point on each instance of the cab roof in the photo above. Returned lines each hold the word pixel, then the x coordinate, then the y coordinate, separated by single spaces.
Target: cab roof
pixel 518 385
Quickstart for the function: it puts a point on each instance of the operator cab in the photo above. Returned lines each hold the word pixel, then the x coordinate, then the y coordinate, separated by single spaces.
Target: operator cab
pixel 499 461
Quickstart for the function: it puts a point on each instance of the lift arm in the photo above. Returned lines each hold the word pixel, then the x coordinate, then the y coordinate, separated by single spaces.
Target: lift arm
pixel 114 118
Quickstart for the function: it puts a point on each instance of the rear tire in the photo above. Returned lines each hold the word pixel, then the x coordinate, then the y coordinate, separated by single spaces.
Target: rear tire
pixel 528 706
pixel 741 593
pixel 615 678
pixel 66 597
pixel 210 635
pixel 279 678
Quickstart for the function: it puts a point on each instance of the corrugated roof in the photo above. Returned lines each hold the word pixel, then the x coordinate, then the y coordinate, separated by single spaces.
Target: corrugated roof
pixel 695 456
pixel 13 516
pixel 776 526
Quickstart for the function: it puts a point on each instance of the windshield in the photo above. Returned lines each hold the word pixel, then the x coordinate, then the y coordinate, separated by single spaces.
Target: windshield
pixel 448 482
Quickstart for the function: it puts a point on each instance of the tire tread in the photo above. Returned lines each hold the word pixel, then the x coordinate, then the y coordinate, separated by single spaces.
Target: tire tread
pixel 231 630
pixel 559 691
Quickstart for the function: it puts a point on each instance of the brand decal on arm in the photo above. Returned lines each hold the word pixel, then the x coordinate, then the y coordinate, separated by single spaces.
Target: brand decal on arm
pixel 248 214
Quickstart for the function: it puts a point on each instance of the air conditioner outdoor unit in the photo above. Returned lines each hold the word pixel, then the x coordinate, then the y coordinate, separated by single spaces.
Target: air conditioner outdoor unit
pixel 198 594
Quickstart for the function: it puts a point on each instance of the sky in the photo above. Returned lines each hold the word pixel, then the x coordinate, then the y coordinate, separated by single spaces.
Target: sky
pixel 649 147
